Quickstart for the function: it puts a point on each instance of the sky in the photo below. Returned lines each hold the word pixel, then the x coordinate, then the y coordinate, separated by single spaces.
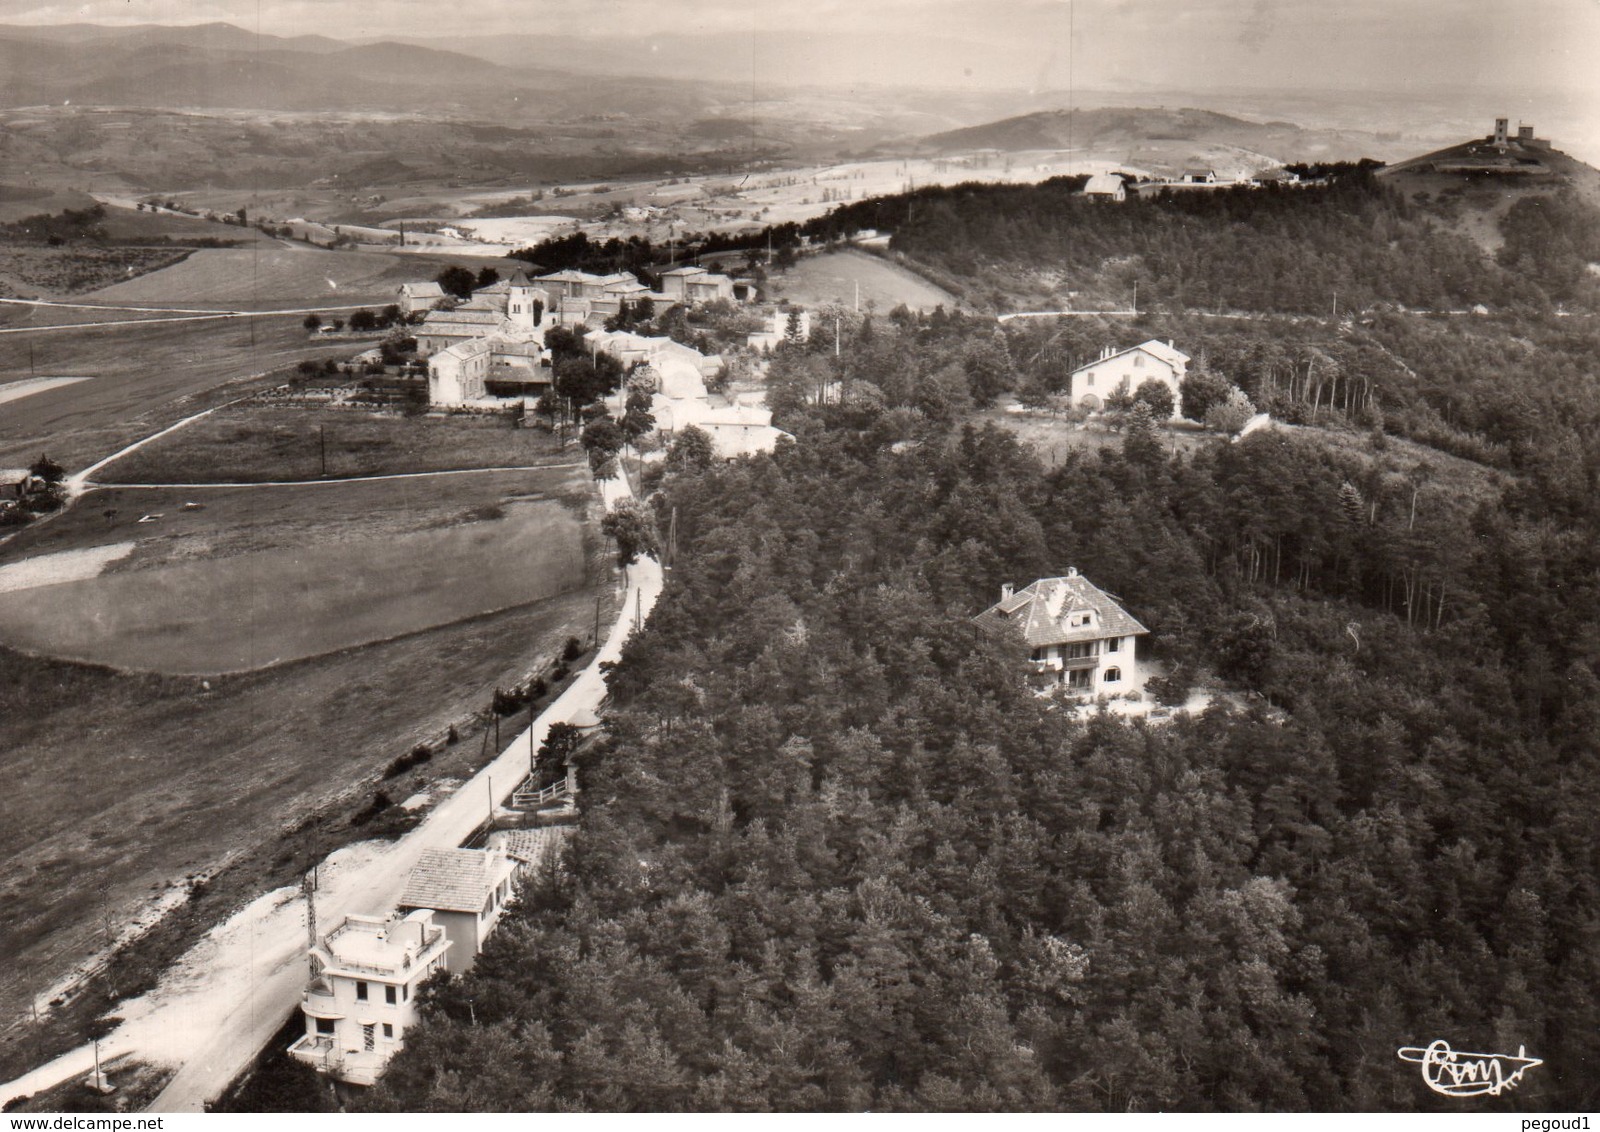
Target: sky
pixel 1031 44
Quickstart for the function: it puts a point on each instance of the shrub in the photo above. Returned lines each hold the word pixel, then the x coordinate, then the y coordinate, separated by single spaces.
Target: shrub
pixel 573 650
pixel 1171 690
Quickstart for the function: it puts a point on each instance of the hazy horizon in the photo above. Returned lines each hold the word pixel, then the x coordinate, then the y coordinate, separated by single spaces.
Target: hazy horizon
pixel 1023 44
pixel 1463 61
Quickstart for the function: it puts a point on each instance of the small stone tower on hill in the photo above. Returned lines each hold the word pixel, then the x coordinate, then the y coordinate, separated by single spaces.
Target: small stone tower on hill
pixel 1500 125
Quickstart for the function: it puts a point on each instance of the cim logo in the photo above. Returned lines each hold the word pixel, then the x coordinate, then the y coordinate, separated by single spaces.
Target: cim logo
pixel 1455 1073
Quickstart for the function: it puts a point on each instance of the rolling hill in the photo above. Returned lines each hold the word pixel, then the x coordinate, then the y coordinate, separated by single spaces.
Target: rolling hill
pixel 1161 140
pixel 1469 187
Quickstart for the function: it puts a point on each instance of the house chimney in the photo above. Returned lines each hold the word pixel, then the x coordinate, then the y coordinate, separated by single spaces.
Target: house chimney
pixel 1005 592
pixel 1072 571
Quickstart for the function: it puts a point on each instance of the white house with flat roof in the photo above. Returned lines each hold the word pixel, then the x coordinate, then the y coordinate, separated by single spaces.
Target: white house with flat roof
pixel 363 998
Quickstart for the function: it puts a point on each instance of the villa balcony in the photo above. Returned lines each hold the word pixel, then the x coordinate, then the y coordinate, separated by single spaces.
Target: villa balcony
pixel 318 1001
pixel 1058 664
pixel 321 1052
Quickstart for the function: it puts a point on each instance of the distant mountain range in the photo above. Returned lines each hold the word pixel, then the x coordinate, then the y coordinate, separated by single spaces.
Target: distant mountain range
pixel 1160 137
pixel 631 102
pixel 222 66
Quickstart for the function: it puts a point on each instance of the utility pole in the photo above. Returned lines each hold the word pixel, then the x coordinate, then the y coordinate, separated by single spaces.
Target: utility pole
pixel 1336 306
pixel 597 619
pixel 1135 296
pixel 491 790
pixel 308 886
pixel 322 443
pixel 858 294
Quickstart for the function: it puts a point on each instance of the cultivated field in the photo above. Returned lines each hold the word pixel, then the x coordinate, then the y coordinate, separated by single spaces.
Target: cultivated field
pixel 267 273
pixel 31 271
pixel 20 201
pixel 141 378
pixel 193 610
pixel 252 443
pixel 833 277
pixel 121 785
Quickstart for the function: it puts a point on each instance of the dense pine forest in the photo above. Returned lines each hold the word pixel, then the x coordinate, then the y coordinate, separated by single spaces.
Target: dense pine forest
pixel 1355 241
pixel 835 854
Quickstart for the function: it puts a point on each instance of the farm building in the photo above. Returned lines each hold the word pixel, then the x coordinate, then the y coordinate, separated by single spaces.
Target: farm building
pixel 1125 370
pixel 629 348
pixel 413 297
pixel 476 370
pixel 1106 186
pixel 696 285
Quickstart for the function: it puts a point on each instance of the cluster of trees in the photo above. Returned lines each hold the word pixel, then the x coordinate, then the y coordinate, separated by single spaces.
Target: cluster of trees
pixel 58 227
pixel 835 856
pixel 1553 238
pixel 363 321
pixel 460 282
pixel 1354 237
pixel 576 251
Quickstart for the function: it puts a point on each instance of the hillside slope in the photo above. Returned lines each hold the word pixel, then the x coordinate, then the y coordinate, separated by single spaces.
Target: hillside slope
pixel 1162 140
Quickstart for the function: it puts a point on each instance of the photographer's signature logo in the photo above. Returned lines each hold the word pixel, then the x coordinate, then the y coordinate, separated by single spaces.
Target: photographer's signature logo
pixel 1456 1073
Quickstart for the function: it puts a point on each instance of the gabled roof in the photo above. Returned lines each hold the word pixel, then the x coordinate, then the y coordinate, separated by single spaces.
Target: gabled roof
pixel 685 271
pixel 466 315
pixel 568 275
pixel 454 880
pixel 423 290
pixel 1155 348
pixel 1042 610
pixel 1104 183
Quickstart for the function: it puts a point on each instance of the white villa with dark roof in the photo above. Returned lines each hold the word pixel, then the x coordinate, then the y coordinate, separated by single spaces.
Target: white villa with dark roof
pixel 1077 634
pixel 1125 370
